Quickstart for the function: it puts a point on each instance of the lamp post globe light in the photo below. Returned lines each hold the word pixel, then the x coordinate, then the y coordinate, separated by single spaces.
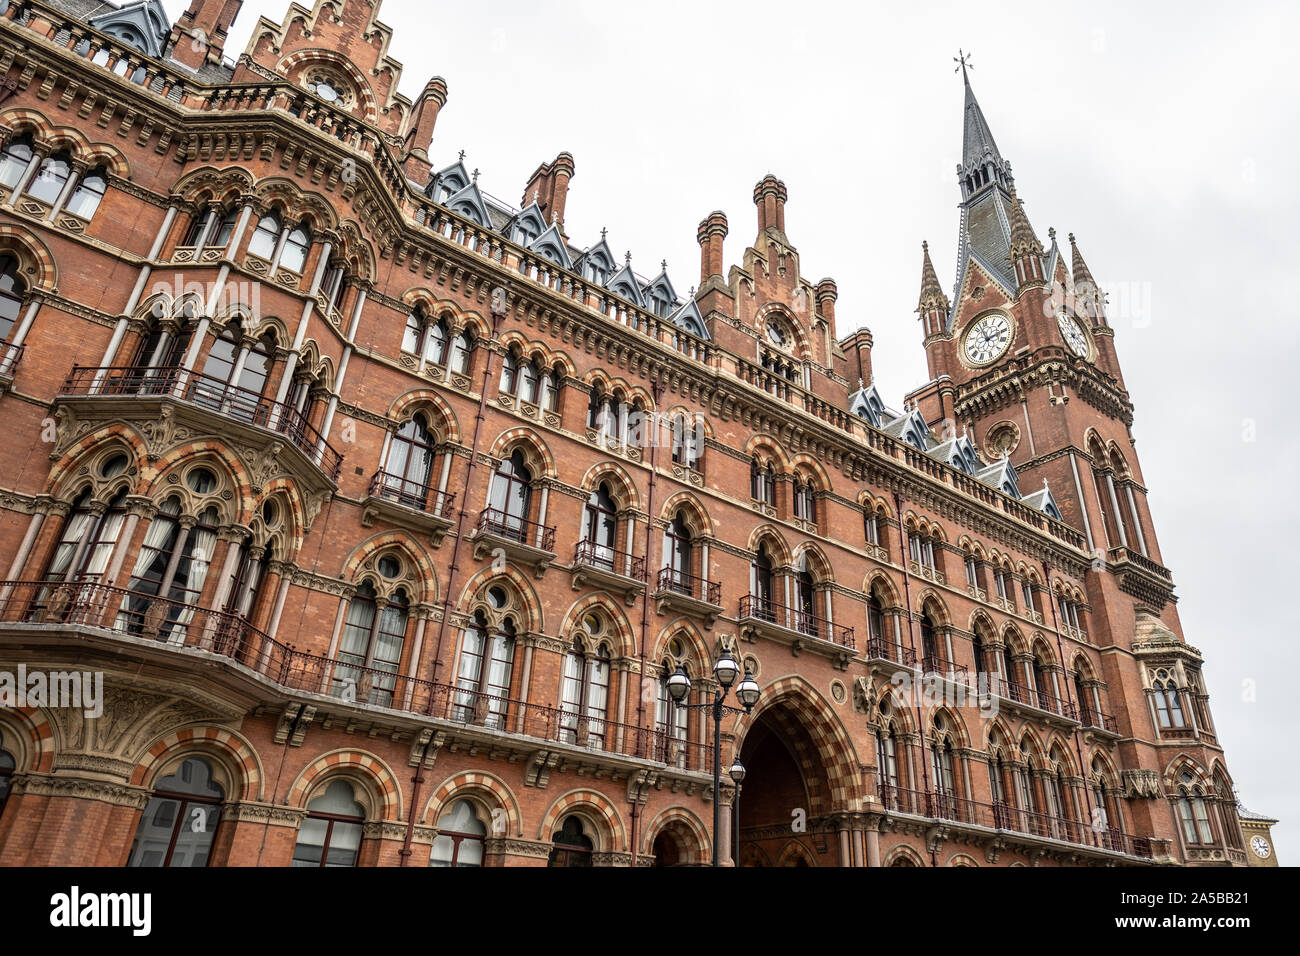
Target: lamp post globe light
pixel 725 672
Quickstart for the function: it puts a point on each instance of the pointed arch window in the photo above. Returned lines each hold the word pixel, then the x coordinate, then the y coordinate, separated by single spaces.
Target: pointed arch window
pixel 806 619
pixel 7 767
pixel 762 483
pixel 331 833
pixel 462 349
pixel 173 564
pixel 1043 683
pixel 370 650
pixel 13 291
pixel 266 236
pixel 247 591
pixel 763 585
pixel 875 621
pixel 685 442
pixel 678 549
pixel 1192 812
pixel 1168 701
pixel 978 651
pixel 887 764
pixel 411 334
pixel 929 643
pixel 296 246
pixel 584 695
pixel 944 781
pixel 461 839
pixel 486 667
pixel 89 194
pixel 600 526
pixel 572 846
pixel 671 721
pixel 87 542
pixel 180 821
pixel 47 185
pixel 14 160
pixel 435 345
pixel 409 467
pixel 511 497
pixel 805 506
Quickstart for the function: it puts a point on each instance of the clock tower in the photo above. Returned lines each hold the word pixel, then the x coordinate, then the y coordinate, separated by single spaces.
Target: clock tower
pixel 1022 361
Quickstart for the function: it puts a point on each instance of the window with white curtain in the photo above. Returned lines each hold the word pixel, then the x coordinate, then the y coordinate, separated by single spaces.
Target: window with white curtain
pixel 461 837
pixel 331 833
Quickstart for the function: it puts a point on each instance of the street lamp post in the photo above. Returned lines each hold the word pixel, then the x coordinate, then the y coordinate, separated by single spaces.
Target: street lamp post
pixel 725 671
pixel 737 777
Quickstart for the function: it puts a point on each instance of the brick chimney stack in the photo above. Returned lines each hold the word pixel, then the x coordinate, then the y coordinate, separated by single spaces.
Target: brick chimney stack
pixel 548 186
pixel 710 235
pixel 199 36
pixel 424 116
pixel 769 196
pixel 827 293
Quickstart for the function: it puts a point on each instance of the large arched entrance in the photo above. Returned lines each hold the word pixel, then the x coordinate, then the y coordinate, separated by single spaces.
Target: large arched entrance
pixel 785 802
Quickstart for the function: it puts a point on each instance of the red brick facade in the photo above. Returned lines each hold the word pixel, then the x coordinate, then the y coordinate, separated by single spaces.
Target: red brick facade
pixel 434 582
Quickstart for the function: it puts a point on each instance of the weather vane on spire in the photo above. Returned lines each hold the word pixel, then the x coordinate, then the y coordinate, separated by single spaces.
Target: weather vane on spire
pixel 962 59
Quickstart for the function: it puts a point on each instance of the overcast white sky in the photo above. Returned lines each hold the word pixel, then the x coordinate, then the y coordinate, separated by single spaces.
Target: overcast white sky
pixel 1164 136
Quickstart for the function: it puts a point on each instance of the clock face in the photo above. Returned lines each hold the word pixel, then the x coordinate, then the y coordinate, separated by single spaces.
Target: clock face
pixel 1261 847
pixel 1073 335
pixel 987 339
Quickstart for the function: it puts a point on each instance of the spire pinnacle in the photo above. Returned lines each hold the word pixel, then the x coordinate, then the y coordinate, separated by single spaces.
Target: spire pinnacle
pixel 1078 268
pixel 932 297
pixel 1023 240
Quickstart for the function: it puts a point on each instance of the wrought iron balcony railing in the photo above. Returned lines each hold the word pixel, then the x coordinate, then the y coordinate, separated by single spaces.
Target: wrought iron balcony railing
pixel 689 585
pixel 203 391
pixel 412 494
pixel 609 559
pixel 182 627
pixel 795 619
pixel 513 528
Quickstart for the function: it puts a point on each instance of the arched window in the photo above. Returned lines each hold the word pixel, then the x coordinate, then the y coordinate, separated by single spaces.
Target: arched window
pixel 461 837
pixel 511 497
pixel 887 765
pixel 14 160
pixel 159 348
pixel 435 346
pixel 225 228
pixel 172 564
pixel 180 821
pixel 12 291
pixel 997 781
pixel 7 767
pixel 296 246
pixel 370 650
pixel 762 481
pixel 875 621
pixel 678 551
pixel 671 721
pixel 931 658
pixel 805 598
pixel 486 665
pixel 686 441
pixel 572 846
pixel 414 329
pixel 1192 813
pixel 331 833
pixel 246 590
pixel 1027 594
pixel 871 527
pixel 410 463
pixel 88 194
pixel 762 584
pixel 235 372
pixel 921 549
pixel 1009 672
pixel 89 535
pixel 1043 683
pixel 804 503
pixel 1168 701
pixel 600 527
pixel 944 782
pixel 977 651
pixel 48 183
pixel 462 348
pixel 266 236
pixel 509 372
pixel 584 692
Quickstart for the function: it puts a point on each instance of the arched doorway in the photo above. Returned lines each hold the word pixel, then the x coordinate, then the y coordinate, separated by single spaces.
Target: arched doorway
pixel 785 801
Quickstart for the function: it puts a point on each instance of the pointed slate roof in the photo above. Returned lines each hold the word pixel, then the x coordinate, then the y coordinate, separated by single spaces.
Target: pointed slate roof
pixel 469 202
pixel 1043 501
pixel 1002 476
pixel 977 138
pixel 867 403
pixel 932 296
pixel 624 283
pixel 958 452
pixel 146 20
pixel 1023 239
pixel 551 244
pixel 688 317
pixel 1078 268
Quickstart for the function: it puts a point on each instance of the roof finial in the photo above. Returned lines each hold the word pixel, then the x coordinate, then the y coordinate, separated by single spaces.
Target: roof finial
pixel 462 156
pixel 664 265
pixel 627 258
pixel 603 232
pixel 962 59
pixel 475 176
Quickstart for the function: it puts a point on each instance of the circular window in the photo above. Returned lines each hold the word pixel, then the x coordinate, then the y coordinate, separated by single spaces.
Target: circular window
pixel 113 466
pixel 201 481
pixel 389 566
pixel 270 512
pixel 323 89
pixel 497 598
pixel 777 335
pixel 591 624
pixel 675 648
